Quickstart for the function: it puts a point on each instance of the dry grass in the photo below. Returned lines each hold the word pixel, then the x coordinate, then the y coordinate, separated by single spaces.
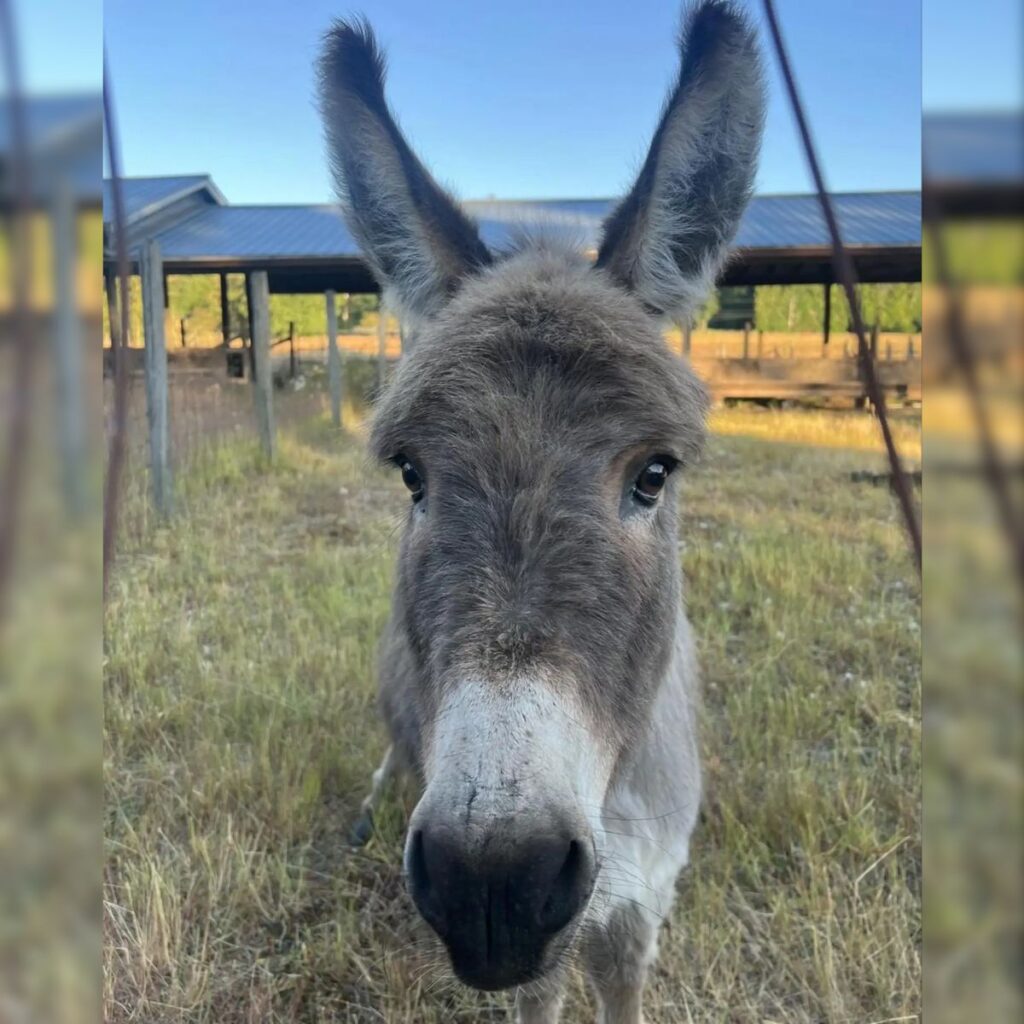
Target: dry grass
pixel 240 734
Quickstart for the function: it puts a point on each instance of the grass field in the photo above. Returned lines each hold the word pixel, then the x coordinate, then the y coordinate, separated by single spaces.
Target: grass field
pixel 240 733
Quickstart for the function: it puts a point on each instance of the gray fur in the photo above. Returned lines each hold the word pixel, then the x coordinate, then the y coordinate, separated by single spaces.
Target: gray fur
pixel 539 387
pixel 667 240
pixel 417 240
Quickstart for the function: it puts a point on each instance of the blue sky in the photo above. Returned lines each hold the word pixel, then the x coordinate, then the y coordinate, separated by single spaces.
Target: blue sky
pixel 513 98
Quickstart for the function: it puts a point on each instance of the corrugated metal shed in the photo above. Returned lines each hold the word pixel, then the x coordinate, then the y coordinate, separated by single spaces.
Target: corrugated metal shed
pixel 65 136
pixel 259 232
pixel 308 248
pixel 974 163
pixel 982 149
pixel 774 222
pixel 144 197
pixel 50 118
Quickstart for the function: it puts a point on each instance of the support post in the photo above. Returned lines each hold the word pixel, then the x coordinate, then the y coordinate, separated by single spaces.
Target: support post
pixel 155 353
pixel 68 350
pixel 746 340
pixel 335 370
pixel 826 327
pixel 184 335
pixel 248 342
pixel 292 366
pixel 225 311
pixel 382 341
pixel 263 379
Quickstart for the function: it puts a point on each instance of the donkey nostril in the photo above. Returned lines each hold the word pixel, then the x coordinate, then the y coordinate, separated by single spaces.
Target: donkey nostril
pixel 423 891
pixel 569 889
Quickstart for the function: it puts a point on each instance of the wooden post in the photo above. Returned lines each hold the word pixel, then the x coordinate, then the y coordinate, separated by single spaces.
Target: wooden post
pixel 225 311
pixel 382 341
pixel 874 340
pixel 292 368
pixel 686 338
pixel 248 341
pixel 910 347
pixel 184 341
pixel 151 272
pixel 263 379
pixel 335 371
pixel 827 325
pixel 68 350
pixel 760 342
pixel 746 339
pixel 888 351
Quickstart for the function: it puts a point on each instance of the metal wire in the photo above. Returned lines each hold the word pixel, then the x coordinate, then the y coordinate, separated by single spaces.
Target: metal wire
pixel 115 461
pixel 844 269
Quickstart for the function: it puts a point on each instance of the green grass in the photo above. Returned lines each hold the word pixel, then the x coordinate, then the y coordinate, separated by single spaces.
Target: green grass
pixel 240 732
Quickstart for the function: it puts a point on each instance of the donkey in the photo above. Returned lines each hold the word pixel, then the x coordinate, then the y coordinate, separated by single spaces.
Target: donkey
pixel 537 673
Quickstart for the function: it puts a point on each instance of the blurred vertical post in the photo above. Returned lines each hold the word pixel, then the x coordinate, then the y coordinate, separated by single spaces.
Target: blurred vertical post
pixel 67 346
pixel 334 369
pixel 263 378
pixel 382 342
pixel 155 353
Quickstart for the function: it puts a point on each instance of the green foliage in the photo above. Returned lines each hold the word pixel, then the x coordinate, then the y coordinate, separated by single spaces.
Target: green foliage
pixel 196 297
pixel 981 252
pixel 801 307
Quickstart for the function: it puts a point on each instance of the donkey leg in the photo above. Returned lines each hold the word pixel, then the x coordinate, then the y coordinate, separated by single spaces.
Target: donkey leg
pixel 617 957
pixel 363 827
pixel 541 1002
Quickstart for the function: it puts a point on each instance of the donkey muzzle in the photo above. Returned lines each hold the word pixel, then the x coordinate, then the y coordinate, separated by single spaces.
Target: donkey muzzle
pixel 498 908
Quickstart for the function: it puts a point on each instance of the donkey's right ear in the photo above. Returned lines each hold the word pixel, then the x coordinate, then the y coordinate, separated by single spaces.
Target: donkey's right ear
pixel 416 239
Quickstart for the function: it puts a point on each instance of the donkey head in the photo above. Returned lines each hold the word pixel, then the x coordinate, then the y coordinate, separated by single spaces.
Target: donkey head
pixel 539 423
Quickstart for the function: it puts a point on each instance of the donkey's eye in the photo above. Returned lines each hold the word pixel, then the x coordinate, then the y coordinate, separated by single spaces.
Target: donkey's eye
pixel 651 481
pixel 410 477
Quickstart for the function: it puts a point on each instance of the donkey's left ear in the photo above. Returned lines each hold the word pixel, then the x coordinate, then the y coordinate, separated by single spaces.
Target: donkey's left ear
pixel 667 240
pixel 418 242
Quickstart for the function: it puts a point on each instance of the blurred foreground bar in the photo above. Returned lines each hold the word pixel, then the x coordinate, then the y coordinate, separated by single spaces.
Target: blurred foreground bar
pixel 50 631
pixel 974 669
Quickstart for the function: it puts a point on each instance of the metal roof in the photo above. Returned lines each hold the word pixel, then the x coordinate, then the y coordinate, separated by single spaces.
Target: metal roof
pixel 50 119
pixel 774 222
pixel 145 196
pixel 974 163
pixel 770 222
pixel 781 238
pixel 975 148
pixel 65 137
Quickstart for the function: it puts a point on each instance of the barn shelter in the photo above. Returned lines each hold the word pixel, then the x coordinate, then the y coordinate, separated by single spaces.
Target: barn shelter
pixel 63 137
pixel 307 249
pixel 184 225
pixel 973 163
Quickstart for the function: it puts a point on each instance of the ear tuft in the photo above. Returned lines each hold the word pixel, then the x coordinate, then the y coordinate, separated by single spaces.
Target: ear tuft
pixel 352 60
